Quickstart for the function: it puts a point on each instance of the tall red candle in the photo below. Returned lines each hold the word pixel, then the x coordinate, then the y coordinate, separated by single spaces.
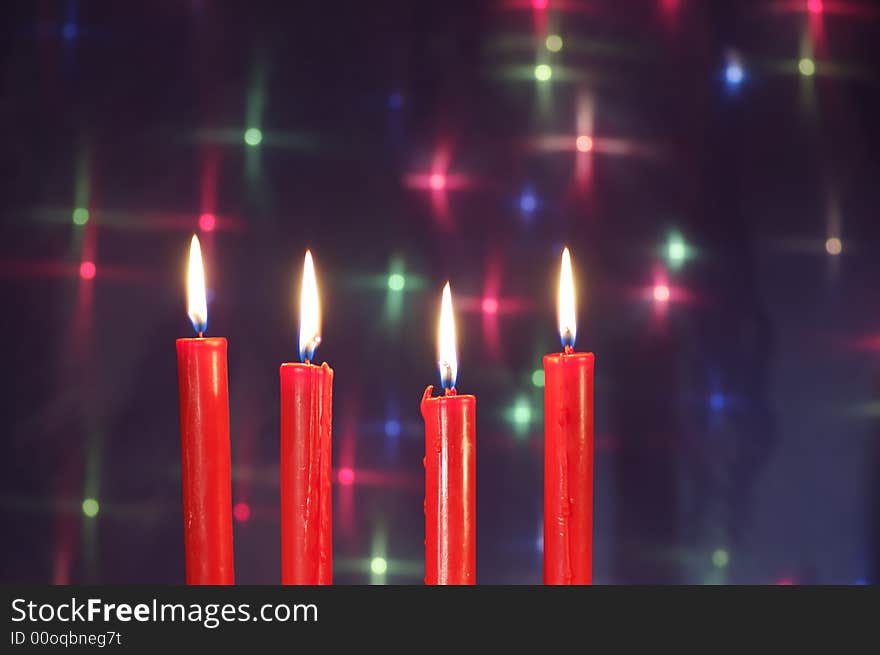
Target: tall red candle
pixel 306 484
pixel 568 451
pixel 450 470
pixel 204 441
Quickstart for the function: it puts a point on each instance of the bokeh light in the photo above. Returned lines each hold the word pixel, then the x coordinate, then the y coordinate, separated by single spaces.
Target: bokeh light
pixel 677 250
pixel 378 565
pixel 241 512
pixel 584 143
pixel 392 428
pixel 553 43
pixel 807 67
pixel 87 270
pixel 814 6
pixel 437 181
pixel 543 72
pixel 734 74
pixel 207 222
pixel 90 507
pixel 717 401
pixel 345 476
pixel 80 216
pixel 538 377
pixel 396 282
pixel 720 558
pixel 661 293
pixel 253 136
pixel 527 202
pixel 833 246
pixel 489 305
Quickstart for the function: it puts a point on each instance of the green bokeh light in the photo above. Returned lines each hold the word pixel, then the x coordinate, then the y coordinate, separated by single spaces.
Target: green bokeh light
pixel 396 282
pixel 520 415
pixel 806 66
pixel 538 377
pixel 720 558
pixel 677 251
pixel 378 565
pixel 80 216
pixel 90 507
pixel 253 136
pixel 543 72
pixel 553 43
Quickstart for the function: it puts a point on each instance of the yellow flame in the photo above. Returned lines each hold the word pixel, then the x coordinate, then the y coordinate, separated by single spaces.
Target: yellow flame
pixel 309 311
pixel 197 305
pixel 567 316
pixel 446 357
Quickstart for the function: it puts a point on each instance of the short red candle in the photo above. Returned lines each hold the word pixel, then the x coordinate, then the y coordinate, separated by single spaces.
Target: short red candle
pixel 306 491
pixel 568 468
pixel 306 467
pixel 568 451
pixel 450 469
pixel 450 489
pixel 205 451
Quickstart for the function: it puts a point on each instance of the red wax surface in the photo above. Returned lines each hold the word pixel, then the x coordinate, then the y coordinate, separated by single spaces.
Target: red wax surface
pixel 450 489
pixel 306 492
pixel 206 467
pixel 568 468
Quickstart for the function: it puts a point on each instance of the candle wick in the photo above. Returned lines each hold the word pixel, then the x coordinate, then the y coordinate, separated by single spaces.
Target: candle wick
pixel 450 391
pixel 201 334
pixel 308 361
pixel 568 349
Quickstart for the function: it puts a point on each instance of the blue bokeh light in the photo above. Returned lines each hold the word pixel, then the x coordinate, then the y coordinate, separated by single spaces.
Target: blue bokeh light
pixel 392 428
pixel 734 74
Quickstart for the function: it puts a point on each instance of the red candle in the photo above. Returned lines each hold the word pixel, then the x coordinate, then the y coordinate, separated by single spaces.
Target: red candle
pixel 306 491
pixel 204 442
pixel 568 451
pixel 450 469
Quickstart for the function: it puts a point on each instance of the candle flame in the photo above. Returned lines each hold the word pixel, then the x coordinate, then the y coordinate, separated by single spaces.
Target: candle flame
pixel 567 315
pixel 197 305
pixel 309 312
pixel 446 356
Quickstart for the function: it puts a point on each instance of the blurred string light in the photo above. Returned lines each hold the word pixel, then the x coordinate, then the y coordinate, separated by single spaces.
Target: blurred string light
pixel 395 101
pixel 207 222
pixel 87 270
pixel 396 282
pixel 528 202
pixel 720 558
pixel 543 72
pixel 379 556
pixel 241 512
pixel 734 74
pixel 90 507
pixel 833 246
pixel 677 250
pixel 717 401
pixel 345 476
pixel 807 67
pixel 661 293
pixel 392 428
pixel 814 6
pixel 253 136
pixel 583 143
pixel 553 43
pixel 520 415
pixel 538 378
pixel 80 216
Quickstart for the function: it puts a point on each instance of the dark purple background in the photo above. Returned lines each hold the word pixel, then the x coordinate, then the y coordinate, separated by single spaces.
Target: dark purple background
pixel 742 415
